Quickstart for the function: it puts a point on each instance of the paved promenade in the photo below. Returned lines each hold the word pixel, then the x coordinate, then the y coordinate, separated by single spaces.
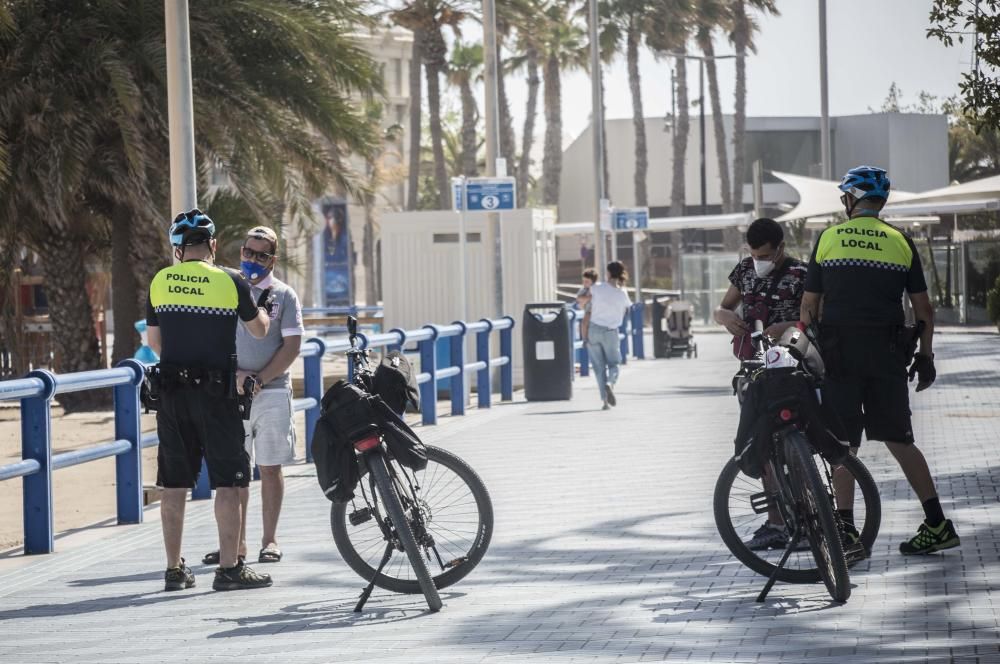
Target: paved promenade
pixel 604 550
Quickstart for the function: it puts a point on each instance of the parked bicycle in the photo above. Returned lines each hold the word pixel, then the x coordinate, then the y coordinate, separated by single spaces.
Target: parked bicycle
pixel 441 516
pixel 787 472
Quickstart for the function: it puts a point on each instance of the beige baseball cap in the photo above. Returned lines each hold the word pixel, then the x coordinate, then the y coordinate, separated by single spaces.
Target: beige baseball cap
pixel 264 233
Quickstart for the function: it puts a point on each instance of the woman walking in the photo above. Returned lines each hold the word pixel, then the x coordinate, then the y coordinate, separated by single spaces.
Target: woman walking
pixel 608 305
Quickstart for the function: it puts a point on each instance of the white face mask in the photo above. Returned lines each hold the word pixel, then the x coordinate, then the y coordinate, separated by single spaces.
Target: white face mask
pixel 763 268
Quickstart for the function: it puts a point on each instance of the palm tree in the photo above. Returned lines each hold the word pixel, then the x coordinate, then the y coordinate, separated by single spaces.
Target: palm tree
pixel 527 17
pixel 744 27
pixel 85 124
pixel 564 44
pixel 710 15
pixel 465 67
pixel 429 18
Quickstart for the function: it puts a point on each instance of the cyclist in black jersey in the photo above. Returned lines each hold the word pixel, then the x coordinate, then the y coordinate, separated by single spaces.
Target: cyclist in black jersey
pixel 857 275
pixel 191 314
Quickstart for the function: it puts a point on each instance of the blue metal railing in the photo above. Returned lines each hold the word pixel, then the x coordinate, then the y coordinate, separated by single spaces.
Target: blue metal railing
pixel 38 388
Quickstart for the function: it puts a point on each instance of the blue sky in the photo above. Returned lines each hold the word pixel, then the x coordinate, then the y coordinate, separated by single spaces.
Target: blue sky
pixel 871 44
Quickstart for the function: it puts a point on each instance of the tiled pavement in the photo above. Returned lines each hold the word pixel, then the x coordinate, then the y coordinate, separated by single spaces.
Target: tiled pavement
pixel 604 550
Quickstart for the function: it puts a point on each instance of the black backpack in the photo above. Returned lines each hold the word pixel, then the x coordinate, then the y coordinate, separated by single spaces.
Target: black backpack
pixel 348 413
pixel 396 382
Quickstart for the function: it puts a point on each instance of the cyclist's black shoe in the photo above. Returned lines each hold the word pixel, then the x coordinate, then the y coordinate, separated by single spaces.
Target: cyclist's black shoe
pixel 850 539
pixel 178 578
pixel 611 395
pixel 929 540
pixel 768 537
pixel 240 577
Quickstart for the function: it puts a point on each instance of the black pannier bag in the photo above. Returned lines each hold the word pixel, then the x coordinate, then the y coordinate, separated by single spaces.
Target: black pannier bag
pixel 348 414
pixel 770 391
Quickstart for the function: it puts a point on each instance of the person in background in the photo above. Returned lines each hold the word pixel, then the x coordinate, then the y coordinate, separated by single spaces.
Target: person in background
pixel 590 278
pixel 608 304
pixel 270 431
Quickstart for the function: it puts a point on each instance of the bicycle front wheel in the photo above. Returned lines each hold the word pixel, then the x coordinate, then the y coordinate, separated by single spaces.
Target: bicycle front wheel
pixel 736 520
pixel 815 508
pixel 456 513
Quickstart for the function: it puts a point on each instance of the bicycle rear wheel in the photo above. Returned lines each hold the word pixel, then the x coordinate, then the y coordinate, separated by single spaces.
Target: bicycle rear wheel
pixel 736 520
pixel 816 511
pixel 456 513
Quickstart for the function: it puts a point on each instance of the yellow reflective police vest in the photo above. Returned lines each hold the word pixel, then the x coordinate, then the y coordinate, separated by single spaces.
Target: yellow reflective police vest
pixel 867 242
pixel 194 287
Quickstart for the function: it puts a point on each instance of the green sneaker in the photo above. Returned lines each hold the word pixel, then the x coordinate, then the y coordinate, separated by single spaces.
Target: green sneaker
pixel 929 540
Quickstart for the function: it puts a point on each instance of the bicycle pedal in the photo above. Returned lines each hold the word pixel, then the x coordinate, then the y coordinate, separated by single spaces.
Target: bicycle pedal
pixel 761 502
pixel 358 517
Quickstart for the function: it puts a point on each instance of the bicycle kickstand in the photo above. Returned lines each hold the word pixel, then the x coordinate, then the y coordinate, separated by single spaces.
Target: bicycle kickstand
pixel 792 541
pixel 367 592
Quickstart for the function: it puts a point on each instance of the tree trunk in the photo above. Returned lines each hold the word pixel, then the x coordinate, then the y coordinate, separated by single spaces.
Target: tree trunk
pixel 124 302
pixel 741 33
pixel 11 326
pixel 528 136
pixel 368 238
pixel 437 136
pixel 149 252
pixel 641 160
pixel 470 117
pixel 507 146
pixel 682 127
pixel 705 42
pixel 552 159
pixel 413 177
pixel 73 334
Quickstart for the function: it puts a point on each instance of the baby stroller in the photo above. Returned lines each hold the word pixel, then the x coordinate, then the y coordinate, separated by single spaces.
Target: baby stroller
pixel 676 323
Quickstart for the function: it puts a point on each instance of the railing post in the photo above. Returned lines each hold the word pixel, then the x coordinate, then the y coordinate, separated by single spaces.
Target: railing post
pixel 36 443
pixel 428 365
pixel 457 348
pixel 507 370
pixel 312 374
pixel 483 355
pixel 638 319
pixel 623 330
pixel 128 465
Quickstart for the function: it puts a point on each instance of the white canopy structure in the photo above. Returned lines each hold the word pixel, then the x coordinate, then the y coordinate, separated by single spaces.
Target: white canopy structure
pixel 975 196
pixel 821 198
pixel 704 222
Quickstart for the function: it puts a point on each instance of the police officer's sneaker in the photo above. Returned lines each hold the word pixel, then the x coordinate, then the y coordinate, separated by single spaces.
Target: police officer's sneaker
pixel 240 577
pixel 178 578
pixel 930 539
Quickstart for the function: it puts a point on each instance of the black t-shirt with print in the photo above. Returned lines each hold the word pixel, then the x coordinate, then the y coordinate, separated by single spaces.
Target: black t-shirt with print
pixel 785 303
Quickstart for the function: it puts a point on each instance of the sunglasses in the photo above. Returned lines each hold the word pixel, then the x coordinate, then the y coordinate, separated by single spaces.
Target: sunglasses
pixel 261 256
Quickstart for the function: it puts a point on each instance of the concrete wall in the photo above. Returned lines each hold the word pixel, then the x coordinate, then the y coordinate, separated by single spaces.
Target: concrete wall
pixel 913 147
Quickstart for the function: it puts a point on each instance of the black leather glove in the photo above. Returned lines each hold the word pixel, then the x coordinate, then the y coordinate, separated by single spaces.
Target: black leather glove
pixel 265 301
pixel 923 369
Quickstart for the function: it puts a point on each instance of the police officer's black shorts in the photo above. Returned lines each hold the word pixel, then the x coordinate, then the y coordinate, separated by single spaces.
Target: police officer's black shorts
pixel 193 423
pixel 866 385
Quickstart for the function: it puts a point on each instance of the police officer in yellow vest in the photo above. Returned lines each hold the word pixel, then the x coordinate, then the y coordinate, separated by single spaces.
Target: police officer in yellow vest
pixel 192 314
pixel 857 276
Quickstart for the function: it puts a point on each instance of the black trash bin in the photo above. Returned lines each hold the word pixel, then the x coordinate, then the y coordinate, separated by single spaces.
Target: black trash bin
pixel 658 321
pixel 547 337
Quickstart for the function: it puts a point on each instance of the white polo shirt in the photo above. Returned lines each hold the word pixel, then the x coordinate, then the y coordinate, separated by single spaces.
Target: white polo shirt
pixel 608 305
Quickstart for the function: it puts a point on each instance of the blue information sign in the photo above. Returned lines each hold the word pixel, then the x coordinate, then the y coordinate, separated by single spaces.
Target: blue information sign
pixel 630 219
pixel 490 194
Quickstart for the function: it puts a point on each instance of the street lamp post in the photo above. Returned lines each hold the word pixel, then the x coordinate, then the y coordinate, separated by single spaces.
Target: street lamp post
pixel 597 126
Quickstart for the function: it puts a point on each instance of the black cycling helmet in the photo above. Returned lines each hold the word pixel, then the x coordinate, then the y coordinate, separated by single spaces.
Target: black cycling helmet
pixel 190 228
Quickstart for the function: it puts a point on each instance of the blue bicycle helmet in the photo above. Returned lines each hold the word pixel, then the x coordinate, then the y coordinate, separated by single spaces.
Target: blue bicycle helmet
pixel 866 182
pixel 192 227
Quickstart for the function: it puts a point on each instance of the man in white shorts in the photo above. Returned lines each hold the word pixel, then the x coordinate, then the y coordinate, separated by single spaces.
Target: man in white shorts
pixel 270 431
